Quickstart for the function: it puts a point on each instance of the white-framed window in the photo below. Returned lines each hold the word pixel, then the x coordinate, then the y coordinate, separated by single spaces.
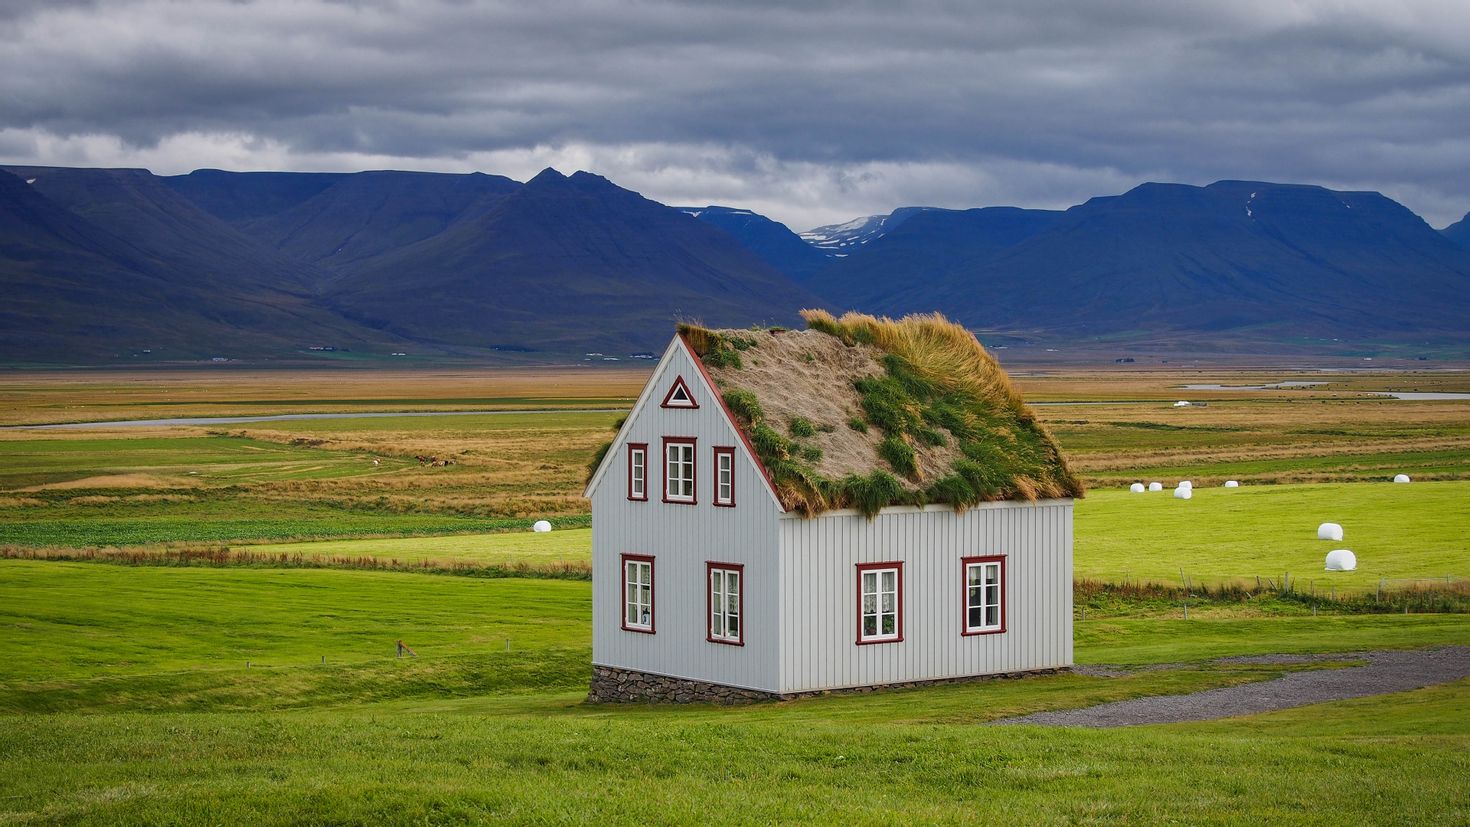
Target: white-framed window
pixel 678 469
pixel 726 601
pixel 880 602
pixel 984 595
pixel 724 476
pixel 637 471
pixel 679 396
pixel 637 593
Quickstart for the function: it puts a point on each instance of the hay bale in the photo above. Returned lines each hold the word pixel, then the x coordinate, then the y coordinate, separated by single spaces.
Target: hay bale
pixel 1232 483
pixel 1330 531
pixel 1156 486
pixel 1136 488
pixel 1401 478
pixel 1341 560
pixel 1183 403
pixel 541 527
pixel 1185 484
pixel 1183 493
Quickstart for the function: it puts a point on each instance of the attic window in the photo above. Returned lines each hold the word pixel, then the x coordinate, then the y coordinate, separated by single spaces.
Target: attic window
pixel 679 396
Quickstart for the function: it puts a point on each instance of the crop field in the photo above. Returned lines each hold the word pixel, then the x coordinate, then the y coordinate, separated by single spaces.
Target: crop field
pixel 270 692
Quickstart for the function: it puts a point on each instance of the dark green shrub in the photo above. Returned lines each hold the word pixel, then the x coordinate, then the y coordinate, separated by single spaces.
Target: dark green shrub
pixel 898 454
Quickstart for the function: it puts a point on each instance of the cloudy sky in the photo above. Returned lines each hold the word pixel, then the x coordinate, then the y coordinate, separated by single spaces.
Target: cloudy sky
pixel 811 115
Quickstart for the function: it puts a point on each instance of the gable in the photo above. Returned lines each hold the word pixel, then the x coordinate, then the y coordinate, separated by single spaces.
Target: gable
pixel 661 413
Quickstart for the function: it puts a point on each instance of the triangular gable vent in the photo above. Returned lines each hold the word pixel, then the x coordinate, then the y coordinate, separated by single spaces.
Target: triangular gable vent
pixel 679 396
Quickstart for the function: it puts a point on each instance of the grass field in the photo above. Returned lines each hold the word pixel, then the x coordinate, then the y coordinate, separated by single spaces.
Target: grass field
pixel 152 716
pixel 125 695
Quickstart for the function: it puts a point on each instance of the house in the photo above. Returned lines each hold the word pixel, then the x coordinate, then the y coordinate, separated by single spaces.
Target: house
pixel 864 503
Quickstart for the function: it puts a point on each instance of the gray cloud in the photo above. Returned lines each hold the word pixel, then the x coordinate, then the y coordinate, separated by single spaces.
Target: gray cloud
pixel 811 114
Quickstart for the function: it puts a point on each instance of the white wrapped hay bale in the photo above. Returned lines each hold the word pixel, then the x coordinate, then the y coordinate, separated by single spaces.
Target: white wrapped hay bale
pixel 1183 403
pixel 1330 531
pixel 1401 478
pixel 1136 488
pixel 541 527
pixel 1232 483
pixel 1156 486
pixel 1341 560
pixel 1183 493
pixel 1185 484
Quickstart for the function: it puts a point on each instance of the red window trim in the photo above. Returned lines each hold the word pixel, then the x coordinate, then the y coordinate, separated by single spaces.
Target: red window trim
pixel 862 567
pixel 623 593
pixel 680 383
pixel 728 451
pixel 693 442
pixel 638 446
pixel 709 609
pixel 965 563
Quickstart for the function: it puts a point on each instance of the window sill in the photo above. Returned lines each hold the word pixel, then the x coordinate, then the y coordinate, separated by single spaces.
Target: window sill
pixel 724 642
pixel 979 632
pixel 642 630
pixel 876 640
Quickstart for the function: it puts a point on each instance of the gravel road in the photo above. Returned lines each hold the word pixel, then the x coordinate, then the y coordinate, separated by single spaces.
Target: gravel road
pixel 1385 671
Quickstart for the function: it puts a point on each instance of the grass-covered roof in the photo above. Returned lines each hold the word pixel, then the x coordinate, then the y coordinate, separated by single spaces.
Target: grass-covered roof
pixel 864 412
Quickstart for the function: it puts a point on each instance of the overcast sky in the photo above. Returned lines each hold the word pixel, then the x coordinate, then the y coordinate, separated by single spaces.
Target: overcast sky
pixel 810 116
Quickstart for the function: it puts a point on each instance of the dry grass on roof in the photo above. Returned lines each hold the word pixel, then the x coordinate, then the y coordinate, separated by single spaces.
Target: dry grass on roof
pixel 867 412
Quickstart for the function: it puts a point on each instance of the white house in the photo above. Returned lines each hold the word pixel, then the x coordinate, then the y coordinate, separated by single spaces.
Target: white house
pixel 720 576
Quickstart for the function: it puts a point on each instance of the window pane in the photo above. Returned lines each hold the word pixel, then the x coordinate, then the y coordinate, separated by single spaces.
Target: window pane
pixel 870 625
pixel 732 603
pixel 734 627
pixel 870 582
pixel 976 617
pixel 992 573
pixel 888 624
pixel 887 602
pixel 870 603
pixel 889 576
pixel 632 614
pixel 976 596
pixel 992 615
pixel 975 574
pixel 992 595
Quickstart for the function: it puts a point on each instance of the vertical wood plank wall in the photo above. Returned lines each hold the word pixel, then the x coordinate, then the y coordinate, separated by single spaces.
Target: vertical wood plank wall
pixel 819 607
pixel 682 538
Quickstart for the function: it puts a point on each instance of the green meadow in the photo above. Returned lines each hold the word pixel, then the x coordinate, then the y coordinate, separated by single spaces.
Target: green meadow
pixel 177 690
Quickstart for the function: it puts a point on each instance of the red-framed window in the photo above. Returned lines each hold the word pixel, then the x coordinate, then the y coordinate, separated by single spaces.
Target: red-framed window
pixel 679 470
pixel 637 587
pixel 984 595
pixel 679 396
pixel 724 487
pixel 725 601
pixel 638 471
pixel 880 603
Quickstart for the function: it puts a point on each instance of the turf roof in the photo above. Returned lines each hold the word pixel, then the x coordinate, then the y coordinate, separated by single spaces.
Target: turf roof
pixel 864 412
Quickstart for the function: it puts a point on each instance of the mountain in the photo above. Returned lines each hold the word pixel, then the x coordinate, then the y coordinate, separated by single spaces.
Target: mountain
pixel 771 240
pixel 841 240
pixel 241 196
pixel 1459 232
pixel 929 242
pixel 564 263
pixel 367 214
pixel 78 290
pixel 1245 261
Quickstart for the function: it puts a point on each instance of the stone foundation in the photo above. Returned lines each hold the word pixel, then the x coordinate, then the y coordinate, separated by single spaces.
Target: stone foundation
pixel 613 685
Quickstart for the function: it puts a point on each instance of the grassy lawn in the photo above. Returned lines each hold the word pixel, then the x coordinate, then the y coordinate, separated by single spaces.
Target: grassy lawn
pixel 141 711
pixel 562 545
pixel 1396 531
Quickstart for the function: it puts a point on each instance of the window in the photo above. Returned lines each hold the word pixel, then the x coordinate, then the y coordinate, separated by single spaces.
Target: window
pixel 679 396
pixel 985 579
pixel 725 476
pixel 726 601
pixel 880 602
pixel 638 593
pixel 637 470
pixel 678 469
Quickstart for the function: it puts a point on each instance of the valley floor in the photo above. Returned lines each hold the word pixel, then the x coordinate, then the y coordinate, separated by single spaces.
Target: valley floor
pixel 173 652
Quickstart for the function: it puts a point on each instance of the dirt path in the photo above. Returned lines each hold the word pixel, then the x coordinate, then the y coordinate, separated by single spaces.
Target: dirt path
pixel 1385 671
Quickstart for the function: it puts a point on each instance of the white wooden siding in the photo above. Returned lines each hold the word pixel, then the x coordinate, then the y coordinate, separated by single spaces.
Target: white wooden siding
pixel 819 607
pixel 683 538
